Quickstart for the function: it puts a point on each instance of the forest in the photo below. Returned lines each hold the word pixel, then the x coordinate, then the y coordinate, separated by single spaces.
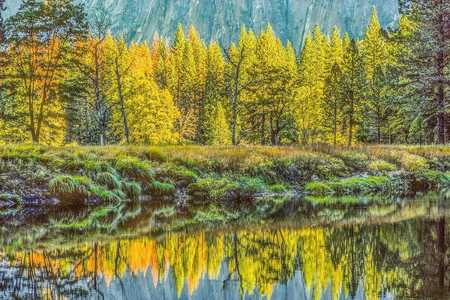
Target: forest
pixel 184 168
pixel 67 80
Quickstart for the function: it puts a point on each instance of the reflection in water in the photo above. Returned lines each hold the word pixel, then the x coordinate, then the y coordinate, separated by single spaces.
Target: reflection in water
pixel 408 259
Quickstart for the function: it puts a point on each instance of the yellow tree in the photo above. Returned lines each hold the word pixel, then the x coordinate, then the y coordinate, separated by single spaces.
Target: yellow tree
pixel 151 111
pixel 268 107
pixel 41 37
pixel 121 66
pixel 379 60
pixel 214 125
pixel 238 59
pixel 332 110
pixel 313 71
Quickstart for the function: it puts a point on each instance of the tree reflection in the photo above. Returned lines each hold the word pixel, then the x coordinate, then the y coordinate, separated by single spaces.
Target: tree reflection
pixel 408 259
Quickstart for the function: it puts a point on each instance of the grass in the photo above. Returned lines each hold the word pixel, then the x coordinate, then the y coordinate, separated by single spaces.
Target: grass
pixel 218 173
pixel 6 197
pixel 70 187
pixel 348 200
pixel 132 189
pixel 381 166
pixel 92 221
pixel 349 186
pixel 162 188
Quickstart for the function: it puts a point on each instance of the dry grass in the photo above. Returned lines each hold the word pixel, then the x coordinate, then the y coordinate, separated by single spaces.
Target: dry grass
pixel 227 155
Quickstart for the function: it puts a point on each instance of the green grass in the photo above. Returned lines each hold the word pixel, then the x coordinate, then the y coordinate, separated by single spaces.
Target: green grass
pixel 381 166
pixel 218 173
pixel 92 221
pixel 348 200
pixel 133 167
pixel 158 188
pixel 7 197
pixel 349 186
pixel 109 180
pixel 132 189
pixel 69 187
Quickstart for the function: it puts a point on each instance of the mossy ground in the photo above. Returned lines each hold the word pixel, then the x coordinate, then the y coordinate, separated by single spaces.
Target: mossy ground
pixel 226 180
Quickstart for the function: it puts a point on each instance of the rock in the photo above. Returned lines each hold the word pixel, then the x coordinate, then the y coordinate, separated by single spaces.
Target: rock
pixel 140 20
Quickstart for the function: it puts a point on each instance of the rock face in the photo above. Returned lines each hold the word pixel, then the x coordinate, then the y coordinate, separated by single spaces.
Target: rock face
pixel 221 20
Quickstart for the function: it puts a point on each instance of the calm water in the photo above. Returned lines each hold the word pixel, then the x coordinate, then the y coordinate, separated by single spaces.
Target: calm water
pixel 381 260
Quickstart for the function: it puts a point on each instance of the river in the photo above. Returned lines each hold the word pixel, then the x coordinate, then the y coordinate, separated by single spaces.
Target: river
pixel 395 257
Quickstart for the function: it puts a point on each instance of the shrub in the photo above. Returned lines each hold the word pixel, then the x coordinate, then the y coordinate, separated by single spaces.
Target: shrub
pixel 220 189
pixel 249 186
pixel 155 154
pixel 433 180
pixel 304 168
pixel 93 166
pixel 413 163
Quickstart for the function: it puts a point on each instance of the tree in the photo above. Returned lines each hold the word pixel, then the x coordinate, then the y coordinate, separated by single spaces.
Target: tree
pixel 41 36
pixel 213 112
pixel 380 100
pixel 270 91
pixel 333 102
pixel 332 105
pixel 238 58
pixel 313 70
pixel 427 66
pixel 353 85
pixel 122 65
pixel 379 63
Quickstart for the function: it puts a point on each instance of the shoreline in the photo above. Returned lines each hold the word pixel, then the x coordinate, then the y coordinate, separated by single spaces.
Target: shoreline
pixel 100 184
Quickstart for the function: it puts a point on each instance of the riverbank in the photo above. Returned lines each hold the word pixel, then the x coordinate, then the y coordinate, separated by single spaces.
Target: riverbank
pixel 98 182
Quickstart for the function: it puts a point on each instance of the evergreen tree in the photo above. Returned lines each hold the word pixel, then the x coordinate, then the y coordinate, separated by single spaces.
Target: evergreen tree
pixel 313 71
pixel 353 85
pixel 211 130
pixel 427 66
pixel 332 118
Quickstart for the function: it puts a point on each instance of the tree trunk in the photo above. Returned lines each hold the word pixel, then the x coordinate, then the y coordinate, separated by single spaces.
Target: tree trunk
pixel 98 96
pixel 379 117
pixel 350 129
pixel 335 125
pixel 263 129
pixel 440 70
pixel 441 116
pixel 234 108
pixel 126 130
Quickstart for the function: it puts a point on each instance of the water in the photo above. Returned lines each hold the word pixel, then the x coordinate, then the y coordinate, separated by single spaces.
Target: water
pixel 403 254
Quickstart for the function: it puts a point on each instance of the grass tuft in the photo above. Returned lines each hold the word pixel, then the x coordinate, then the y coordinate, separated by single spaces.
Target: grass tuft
pixel 132 189
pixel 70 187
pixel 158 188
